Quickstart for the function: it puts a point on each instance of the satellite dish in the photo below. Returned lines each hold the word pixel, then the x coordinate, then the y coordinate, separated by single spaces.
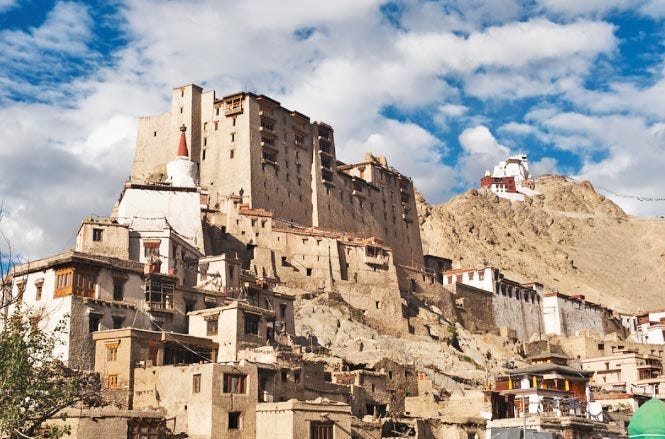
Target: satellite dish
pixel 595 409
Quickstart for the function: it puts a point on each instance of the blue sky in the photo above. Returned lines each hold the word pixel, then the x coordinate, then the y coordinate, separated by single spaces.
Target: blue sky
pixel 444 89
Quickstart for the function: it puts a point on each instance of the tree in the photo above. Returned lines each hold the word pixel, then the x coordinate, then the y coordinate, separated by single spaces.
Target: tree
pixel 7 262
pixel 34 384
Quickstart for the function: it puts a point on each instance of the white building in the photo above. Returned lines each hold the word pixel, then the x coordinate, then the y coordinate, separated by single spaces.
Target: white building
pixel 568 315
pixel 507 177
pixel 515 306
pixel 646 328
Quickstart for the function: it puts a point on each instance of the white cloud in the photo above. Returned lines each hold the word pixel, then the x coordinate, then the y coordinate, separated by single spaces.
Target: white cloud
pixel 41 52
pixel 511 45
pixel 631 159
pixel 518 128
pixel 417 152
pixel 546 165
pixel 6 5
pixel 597 8
pixel 624 96
pixel 445 113
pixel 481 152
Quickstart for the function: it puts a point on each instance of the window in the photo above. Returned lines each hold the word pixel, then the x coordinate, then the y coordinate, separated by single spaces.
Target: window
pixel 159 295
pixel 118 290
pixel 284 375
pixel 296 376
pixel 118 321
pixel 97 234
pixel 196 383
pixel 144 429
pixel 231 154
pixel 252 324
pixel 112 381
pixel 211 327
pixel 481 275
pixel 233 137
pixel 471 275
pixel 309 271
pixel 234 420
pixel 233 105
pixel 38 293
pixel 151 248
pixel 267 141
pixel 216 126
pixel 112 353
pixel 282 310
pixel 321 430
pixel 299 140
pixel 267 124
pixel 235 383
pixel 63 282
pixel 84 283
pixel 269 156
pixel 93 322
pixel 203 155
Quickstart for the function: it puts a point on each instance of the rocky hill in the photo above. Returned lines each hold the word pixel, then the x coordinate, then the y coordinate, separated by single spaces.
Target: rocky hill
pixel 569 238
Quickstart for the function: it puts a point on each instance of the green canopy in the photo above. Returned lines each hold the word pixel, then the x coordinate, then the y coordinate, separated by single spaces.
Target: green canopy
pixel 648 422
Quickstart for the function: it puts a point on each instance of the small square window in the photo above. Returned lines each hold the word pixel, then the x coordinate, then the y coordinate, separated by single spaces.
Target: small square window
pixel 97 234
pixel 252 324
pixel 235 383
pixel 235 420
pixel 118 321
pixel 112 381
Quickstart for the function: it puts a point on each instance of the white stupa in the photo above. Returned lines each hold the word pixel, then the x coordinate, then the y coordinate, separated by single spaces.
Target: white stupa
pixel 181 172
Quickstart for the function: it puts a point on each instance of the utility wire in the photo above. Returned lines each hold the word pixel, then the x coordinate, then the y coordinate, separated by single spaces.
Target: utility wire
pixel 617 194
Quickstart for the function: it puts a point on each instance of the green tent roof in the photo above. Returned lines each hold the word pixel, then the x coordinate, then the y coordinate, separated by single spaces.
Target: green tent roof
pixel 648 422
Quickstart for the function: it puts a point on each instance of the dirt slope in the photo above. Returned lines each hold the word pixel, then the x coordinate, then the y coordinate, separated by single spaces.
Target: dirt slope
pixel 570 238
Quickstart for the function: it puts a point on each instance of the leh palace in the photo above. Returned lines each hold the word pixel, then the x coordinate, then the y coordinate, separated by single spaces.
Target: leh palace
pixel 248 284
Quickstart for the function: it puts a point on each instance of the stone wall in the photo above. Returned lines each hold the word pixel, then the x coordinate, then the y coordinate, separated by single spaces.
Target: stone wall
pixel 563 315
pixel 525 317
pixel 474 307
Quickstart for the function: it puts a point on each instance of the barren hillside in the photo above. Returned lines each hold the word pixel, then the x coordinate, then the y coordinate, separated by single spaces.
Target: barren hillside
pixel 569 238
